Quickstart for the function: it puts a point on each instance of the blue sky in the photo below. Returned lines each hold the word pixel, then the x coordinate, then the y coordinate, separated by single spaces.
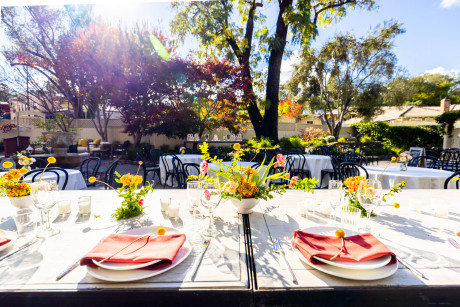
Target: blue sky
pixel 431 42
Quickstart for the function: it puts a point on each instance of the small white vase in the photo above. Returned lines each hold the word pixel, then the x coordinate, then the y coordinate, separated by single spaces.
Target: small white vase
pixel 22 202
pixel 245 205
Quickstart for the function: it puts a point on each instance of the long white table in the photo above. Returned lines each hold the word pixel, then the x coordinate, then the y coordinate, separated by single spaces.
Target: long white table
pixel 415 177
pixel 75 181
pixel 314 163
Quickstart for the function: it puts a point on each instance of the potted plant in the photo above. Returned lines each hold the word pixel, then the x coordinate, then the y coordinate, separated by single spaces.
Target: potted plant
pixel 11 186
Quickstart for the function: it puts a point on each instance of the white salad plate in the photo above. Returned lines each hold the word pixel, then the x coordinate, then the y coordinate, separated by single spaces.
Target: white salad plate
pixel 123 274
pixel 366 270
pixel 10 235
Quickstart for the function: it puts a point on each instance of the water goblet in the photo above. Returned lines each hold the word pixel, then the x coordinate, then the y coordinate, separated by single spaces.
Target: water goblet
pixel 210 198
pixel 369 196
pixel 335 192
pixel 44 197
pixel 193 195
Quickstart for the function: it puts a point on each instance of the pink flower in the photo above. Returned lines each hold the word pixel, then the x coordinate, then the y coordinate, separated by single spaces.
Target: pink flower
pixel 204 167
pixel 294 179
pixel 280 161
pixel 291 185
pixel 141 202
pixel 207 195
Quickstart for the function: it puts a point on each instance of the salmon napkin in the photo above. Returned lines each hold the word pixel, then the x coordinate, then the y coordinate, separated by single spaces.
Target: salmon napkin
pixel 357 248
pixel 164 248
pixel 4 241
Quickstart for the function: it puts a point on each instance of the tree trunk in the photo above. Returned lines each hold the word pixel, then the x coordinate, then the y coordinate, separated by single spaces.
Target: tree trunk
pixel 137 138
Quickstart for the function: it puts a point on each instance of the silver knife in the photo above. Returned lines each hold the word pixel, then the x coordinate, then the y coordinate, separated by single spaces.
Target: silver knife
pixel 68 270
pixel 19 249
pixel 411 268
pixel 206 245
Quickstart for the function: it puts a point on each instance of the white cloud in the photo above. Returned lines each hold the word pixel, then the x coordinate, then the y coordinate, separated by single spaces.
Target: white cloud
pixel 449 3
pixel 287 66
pixel 442 70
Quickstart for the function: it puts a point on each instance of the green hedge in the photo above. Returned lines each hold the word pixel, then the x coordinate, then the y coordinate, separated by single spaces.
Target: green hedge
pixel 401 136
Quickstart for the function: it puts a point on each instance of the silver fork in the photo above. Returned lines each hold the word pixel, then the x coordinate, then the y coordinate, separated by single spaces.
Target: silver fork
pixel 279 249
pixel 454 243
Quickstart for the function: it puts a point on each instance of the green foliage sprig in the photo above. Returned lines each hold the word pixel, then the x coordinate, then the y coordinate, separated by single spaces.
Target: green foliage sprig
pixel 447 121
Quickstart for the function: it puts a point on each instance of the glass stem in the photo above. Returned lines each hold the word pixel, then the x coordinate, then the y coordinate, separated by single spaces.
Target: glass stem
pixel 211 218
pixel 46 220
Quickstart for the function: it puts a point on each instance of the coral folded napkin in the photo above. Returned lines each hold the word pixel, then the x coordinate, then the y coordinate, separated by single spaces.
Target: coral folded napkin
pixel 148 249
pixel 357 248
pixel 4 241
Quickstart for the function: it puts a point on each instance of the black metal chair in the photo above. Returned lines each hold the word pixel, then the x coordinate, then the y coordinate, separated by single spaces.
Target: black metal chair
pixel 295 166
pixel 109 175
pixel 430 161
pixel 174 170
pixel 191 169
pixel 148 168
pixel 90 167
pixel 450 159
pixel 351 169
pixel 454 175
pixel 155 155
pixel 332 172
pixel 39 163
pixel 55 172
pixel 119 150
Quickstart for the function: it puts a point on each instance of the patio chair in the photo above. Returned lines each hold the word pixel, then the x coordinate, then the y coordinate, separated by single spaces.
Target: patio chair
pixel 350 169
pixel 39 163
pixel 88 168
pixel 119 150
pixel 191 169
pixel 295 165
pixel 148 168
pixel 173 170
pixel 55 171
pixel 430 161
pixel 450 159
pixel 449 179
pixel 332 172
pixel 109 175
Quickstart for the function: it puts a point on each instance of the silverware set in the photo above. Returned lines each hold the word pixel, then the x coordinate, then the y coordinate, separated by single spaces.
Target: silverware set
pixel 206 244
pixel 454 243
pixel 279 249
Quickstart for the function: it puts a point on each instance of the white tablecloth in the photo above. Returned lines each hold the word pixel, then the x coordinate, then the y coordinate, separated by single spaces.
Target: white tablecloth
pixel 75 182
pixel 314 163
pixel 415 177
pixel 184 158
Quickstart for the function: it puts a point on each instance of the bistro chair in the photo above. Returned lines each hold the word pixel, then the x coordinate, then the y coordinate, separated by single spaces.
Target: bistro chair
pixel 351 169
pixel 109 175
pixel 332 172
pixel 148 167
pixel 173 169
pixel 90 167
pixel 57 172
pixel 449 179
pixel 39 163
pixel 430 161
pixel 450 159
pixel 295 165
pixel 191 169
pixel 155 155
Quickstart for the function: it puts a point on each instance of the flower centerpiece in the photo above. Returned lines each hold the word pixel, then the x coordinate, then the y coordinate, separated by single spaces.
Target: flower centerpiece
pixel 351 191
pixel 182 150
pixel 404 158
pixel 25 161
pixel 247 185
pixel 11 186
pixel 133 199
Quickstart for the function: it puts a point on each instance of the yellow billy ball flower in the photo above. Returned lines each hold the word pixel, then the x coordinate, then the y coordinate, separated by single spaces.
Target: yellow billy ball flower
pixel 51 160
pixel 340 233
pixel 140 162
pixel 7 164
pixel 258 150
pixel 393 158
pixel 161 231
pixel 236 146
pixel 92 179
pixel 287 176
pixel 396 205
pixel 23 171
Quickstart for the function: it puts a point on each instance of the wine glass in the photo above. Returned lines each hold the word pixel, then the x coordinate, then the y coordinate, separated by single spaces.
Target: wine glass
pixel 335 191
pixel 44 197
pixel 369 195
pixel 193 195
pixel 210 198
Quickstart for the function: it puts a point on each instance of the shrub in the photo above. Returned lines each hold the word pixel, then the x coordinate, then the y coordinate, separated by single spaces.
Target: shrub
pixel 329 139
pixel 263 142
pixel 341 140
pixel 312 134
pixel 365 139
pixel 352 139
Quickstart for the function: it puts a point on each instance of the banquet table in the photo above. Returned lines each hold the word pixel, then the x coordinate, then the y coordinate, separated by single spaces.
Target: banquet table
pixel 415 177
pixel 419 238
pixel 30 275
pixel 75 182
pixel 185 158
pixel 314 163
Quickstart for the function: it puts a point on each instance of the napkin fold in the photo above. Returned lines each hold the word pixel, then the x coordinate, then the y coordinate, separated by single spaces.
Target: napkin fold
pixel 164 248
pixel 4 241
pixel 357 248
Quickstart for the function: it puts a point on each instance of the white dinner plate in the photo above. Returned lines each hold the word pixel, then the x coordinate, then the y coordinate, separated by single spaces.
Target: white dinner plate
pixel 363 265
pixel 131 266
pixel 10 235
pixel 138 274
pixel 373 274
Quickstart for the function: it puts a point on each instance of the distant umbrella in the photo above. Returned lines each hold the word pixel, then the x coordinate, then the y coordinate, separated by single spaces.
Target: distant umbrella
pixel 159 48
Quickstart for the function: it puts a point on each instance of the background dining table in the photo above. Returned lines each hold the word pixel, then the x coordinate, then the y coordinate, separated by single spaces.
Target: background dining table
pixel 185 158
pixel 415 177
pixel 314 163
pixel 75 181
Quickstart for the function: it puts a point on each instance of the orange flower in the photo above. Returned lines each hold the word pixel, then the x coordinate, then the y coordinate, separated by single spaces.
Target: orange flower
pixel 352 183
pixel 18 189
pixel 13 174
pixel 246 189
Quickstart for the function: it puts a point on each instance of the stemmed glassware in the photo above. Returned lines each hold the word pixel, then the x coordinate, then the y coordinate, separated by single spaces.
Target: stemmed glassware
pixel 210 198
pixel 369 196
pixel 335 192
pixel 193 195
pixel 44 197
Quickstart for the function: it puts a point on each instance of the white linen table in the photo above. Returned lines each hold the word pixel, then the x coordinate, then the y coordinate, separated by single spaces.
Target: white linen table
pixel 186 158
pixel 415 177
pixel 419 238
pixel 75 182
pixel 314 163
pixel 34 269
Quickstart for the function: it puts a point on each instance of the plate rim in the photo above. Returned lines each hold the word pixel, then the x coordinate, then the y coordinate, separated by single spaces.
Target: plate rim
pixel 13 239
